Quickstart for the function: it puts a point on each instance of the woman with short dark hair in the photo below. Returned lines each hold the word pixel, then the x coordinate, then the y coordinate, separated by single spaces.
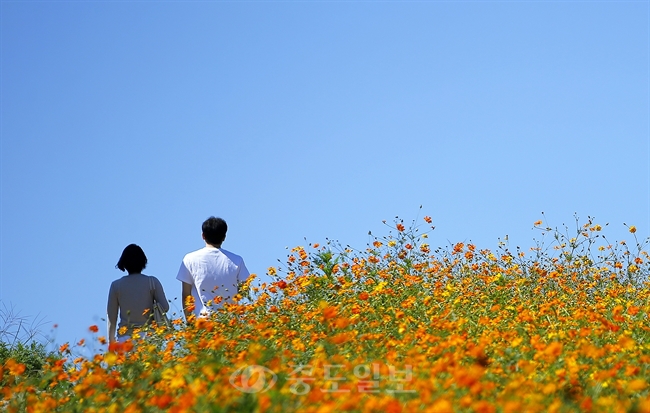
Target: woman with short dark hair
pixel 132 295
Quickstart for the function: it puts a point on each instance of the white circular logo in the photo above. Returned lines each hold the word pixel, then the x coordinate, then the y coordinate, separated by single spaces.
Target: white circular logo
pixel 253 379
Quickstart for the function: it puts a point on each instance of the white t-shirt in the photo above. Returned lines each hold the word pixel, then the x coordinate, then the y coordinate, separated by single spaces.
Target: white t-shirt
pixel 214 274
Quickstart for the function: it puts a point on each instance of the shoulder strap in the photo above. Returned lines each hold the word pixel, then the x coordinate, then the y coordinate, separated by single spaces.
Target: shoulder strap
pixel 152 286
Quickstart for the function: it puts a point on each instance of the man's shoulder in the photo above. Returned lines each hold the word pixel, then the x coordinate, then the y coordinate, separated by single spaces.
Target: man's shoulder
pixel 215 253
pixel 232 256
pixel 197 253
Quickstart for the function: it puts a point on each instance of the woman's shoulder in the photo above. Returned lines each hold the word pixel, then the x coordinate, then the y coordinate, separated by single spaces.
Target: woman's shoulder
pixel 117 283
pixel 119 280
pixel 130 279
pixel 153 278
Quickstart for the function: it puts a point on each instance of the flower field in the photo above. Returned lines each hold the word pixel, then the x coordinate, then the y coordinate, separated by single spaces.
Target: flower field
pixel 398 327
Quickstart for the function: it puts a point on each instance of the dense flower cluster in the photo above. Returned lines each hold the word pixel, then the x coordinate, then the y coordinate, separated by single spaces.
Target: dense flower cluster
pixel 398 327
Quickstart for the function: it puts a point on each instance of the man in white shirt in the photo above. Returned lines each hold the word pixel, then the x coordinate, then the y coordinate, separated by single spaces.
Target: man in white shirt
pixel 211 275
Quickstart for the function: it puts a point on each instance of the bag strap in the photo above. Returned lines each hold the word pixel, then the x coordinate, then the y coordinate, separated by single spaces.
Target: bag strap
pixel 152 288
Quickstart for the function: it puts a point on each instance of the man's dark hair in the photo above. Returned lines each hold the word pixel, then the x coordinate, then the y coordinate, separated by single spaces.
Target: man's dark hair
pixel 132 260
pixel 214 230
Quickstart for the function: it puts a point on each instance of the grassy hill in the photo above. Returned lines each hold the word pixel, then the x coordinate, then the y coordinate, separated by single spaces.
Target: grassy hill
pixel 393 328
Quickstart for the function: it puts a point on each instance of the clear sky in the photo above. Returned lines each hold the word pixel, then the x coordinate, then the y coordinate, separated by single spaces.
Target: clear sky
pixel 132 122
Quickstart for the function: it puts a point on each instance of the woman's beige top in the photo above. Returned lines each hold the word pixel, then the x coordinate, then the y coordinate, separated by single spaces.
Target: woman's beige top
pixel 132 295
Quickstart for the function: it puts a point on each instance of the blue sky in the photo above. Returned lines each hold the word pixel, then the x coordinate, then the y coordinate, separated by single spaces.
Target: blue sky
pixel 132 122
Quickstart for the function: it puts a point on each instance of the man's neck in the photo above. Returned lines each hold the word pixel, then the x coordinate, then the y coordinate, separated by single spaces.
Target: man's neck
pixel 212 246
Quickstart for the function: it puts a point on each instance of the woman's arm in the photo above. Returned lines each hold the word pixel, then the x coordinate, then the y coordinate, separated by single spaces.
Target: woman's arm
pixel 111 331
pixel 111 313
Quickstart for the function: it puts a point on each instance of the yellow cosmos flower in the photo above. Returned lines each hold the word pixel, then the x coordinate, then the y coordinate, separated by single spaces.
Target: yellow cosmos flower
pixel 380 286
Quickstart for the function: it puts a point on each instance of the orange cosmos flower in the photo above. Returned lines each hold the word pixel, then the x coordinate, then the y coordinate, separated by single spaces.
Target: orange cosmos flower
pixel 512 407
pixel 427 219
pixel 113 383
pixel 204 324
pixel 162 401
pixel 483 406
pixel 632 310
pixel 363 296
pixel 393 406
pixel 626 343
pixel 586 404
pixel 15 368
pixel 554 349
pixel 632 370
pixel 120 348
pixel 441 406
pixel 93 328
pixel 330 312
pixel 467 377
pixel 341 322
pixel 636 385
pixel 189 303
pixel 340 338
pixel 400 227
